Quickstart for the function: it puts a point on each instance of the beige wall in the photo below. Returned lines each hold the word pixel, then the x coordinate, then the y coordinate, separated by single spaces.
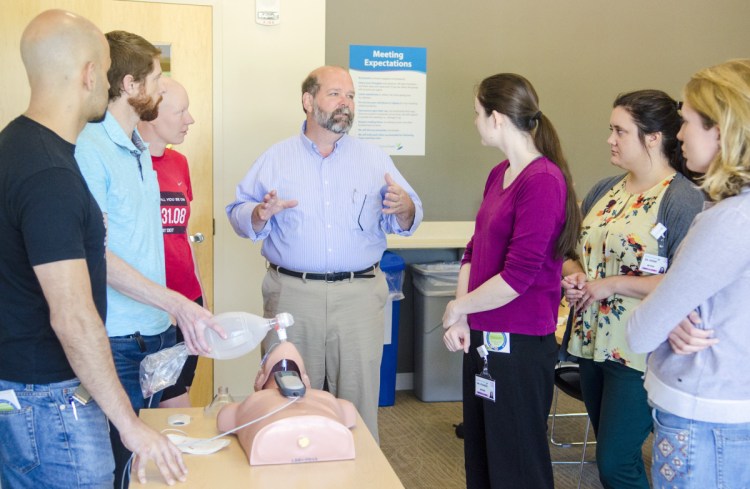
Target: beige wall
pixel 578 53
pixel 260 70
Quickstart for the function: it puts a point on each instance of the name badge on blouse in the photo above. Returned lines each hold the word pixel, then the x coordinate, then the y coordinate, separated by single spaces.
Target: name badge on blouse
pixel 653 263
pixel 658 231
pixel 497 342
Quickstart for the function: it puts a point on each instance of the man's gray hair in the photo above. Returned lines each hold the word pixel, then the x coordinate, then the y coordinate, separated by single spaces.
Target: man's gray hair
pixel 311 85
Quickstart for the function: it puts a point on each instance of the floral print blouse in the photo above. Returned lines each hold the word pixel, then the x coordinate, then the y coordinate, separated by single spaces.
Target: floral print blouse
pixel 614 237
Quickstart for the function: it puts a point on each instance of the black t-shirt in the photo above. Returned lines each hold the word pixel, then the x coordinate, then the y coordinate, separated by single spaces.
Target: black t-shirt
pixel 47 214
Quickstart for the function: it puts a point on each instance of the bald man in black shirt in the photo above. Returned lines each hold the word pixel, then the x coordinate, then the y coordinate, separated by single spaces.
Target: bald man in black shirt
pixel 53 279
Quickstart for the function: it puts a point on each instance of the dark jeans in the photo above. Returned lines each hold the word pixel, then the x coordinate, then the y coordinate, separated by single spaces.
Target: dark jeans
pixel 187 374
pixel 505 442
pixel 127 355
pixel 616 402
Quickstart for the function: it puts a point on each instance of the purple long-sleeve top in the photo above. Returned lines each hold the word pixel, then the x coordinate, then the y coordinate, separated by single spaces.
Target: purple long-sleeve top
pixel 515 235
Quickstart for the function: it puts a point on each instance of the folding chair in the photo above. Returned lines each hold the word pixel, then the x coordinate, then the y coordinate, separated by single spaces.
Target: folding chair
pixel 568 380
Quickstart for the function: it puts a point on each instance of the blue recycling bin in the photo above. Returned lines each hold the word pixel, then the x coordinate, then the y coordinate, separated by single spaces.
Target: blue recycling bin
pixel 393 266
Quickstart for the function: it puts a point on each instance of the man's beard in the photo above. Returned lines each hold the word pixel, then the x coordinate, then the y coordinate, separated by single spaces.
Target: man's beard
pixel 329 120
pixel 145 107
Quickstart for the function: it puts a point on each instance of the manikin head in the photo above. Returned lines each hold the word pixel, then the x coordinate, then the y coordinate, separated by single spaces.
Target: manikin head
pixel 280 430
pixel 281 356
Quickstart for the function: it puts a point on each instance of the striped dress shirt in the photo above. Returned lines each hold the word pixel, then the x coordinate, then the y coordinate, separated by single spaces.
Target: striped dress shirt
pixel 338 225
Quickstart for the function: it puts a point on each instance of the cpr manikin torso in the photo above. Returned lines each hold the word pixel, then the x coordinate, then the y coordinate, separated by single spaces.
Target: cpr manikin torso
pixel 316 427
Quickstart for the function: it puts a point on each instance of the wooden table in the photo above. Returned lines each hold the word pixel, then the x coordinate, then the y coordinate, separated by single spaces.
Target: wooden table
pixel 229 467
pixel 435 234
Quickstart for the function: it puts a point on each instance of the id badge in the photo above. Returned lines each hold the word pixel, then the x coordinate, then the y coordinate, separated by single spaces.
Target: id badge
pixel 653 263
pixel 484 384
pixel 484 387
pixel 497 342
pixel 658 231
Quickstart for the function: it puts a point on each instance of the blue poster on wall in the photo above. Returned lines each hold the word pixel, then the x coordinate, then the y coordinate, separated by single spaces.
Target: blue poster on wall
pixel 391 92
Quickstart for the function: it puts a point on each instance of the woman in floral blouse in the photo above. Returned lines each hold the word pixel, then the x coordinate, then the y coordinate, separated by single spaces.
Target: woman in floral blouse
pixel 632 226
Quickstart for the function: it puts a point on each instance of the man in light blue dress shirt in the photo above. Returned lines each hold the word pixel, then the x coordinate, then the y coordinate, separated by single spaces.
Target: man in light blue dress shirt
pixel 322 202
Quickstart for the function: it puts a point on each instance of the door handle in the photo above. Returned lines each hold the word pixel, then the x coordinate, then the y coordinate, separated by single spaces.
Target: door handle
pixel 197 238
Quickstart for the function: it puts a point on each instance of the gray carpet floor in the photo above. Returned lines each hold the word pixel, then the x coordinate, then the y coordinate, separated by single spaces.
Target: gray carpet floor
pixel 419 441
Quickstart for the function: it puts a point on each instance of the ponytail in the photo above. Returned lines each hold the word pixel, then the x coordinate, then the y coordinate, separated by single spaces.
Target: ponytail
pixel 514 96
pixel 548 143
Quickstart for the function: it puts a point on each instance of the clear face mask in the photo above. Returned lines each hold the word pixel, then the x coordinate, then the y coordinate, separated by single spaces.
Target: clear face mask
pixel 198 446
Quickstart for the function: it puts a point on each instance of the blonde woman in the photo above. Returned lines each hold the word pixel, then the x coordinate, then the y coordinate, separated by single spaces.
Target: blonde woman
pixel 697 377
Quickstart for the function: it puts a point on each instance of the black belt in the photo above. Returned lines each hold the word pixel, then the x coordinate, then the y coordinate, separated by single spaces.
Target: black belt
pixel 328 277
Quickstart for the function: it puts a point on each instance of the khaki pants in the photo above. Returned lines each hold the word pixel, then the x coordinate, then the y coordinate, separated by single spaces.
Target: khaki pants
pixel 338 330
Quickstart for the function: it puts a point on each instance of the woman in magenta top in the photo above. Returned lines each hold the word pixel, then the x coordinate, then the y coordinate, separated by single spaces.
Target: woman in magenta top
pixel 509 290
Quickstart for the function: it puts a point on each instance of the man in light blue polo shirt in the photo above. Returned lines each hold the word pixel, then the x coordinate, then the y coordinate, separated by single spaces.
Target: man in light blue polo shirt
pixel 117 167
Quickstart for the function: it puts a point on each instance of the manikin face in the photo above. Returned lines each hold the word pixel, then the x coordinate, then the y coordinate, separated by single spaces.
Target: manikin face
pixel 146 103
pixel 626 149
pixel 174 118
pixel 333 105
pixel 699 145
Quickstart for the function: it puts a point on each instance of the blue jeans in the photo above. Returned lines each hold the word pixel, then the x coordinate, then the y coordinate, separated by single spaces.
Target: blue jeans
pixel 44 445
pixel 128 352
pixel 692 454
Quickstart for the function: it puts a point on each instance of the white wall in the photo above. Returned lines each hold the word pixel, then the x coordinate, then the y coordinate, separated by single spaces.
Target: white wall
pixel 259 72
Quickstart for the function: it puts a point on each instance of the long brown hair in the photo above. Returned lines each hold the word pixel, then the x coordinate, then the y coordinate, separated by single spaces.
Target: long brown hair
pixel 654 111
pixel 515 97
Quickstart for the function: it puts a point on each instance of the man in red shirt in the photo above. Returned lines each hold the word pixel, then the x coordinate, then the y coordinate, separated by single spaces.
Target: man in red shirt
pixel 171 167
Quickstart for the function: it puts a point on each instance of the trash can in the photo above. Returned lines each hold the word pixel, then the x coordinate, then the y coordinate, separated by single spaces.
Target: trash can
pixel 393 266
pixel 437 371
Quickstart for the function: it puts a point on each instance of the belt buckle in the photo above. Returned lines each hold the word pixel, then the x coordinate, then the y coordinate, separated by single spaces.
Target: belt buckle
pixel 330 277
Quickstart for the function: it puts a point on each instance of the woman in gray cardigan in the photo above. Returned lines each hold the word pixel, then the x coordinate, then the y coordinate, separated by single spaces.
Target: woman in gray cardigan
pixel 632 227
pixel 697 377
